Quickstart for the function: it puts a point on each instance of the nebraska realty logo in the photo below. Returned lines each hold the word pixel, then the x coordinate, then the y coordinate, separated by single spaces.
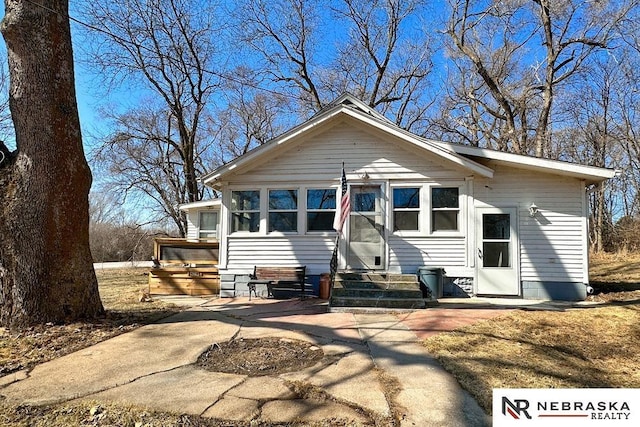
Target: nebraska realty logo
pixel 566 407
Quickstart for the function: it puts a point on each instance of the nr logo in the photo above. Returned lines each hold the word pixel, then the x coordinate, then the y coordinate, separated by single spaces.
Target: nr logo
pixel 516 409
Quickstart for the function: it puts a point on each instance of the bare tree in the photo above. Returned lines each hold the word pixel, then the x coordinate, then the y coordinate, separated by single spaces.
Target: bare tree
pixel 249 117
pixel 386 58
pixel 284 34
pixel 168 46
pixel 592 137
pixel 378 58
pixel 501 42
pixel 628 105
pixel 143 158
pixel 46 270
pixel 117 235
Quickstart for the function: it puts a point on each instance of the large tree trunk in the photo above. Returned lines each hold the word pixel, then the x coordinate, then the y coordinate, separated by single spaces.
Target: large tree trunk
pixel 46 270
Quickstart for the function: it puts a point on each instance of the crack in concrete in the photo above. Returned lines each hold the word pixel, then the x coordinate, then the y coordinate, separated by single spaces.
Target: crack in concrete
pixel 309 391
pixel 111 387
pixel 222 395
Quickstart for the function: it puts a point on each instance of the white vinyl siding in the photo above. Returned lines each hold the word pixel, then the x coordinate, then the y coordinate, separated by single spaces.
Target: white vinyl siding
pixel 192 225
pixel 312 251
pixel 551 243
pixel 317 164
pixel 321 157
pixel 551 246
pixel 407 254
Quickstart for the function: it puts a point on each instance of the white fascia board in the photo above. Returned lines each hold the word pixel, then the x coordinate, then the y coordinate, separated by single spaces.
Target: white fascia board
pixel 201 204
pixel 362 106
pixel 257 152
pixel 427 145
pixel 589 173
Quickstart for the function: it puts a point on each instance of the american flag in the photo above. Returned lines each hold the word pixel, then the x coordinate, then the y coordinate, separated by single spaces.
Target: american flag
pixel 345 204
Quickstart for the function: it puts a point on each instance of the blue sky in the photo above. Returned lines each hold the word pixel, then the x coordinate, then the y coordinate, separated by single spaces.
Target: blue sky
pixel 89 94
pixel 86 102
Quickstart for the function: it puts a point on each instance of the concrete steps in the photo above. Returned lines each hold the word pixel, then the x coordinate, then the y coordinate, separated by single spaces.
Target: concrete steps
pixel 398 291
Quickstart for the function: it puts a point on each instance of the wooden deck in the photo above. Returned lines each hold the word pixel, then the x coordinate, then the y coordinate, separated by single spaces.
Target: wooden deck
pixel 186 268
pixel 184 281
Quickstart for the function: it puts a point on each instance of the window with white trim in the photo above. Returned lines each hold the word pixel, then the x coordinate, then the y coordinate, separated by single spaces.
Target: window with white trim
pixel 406 209
pixel 445 209
pixel 321 209
pixel 245 211
pixel 283 211
pixel 208 225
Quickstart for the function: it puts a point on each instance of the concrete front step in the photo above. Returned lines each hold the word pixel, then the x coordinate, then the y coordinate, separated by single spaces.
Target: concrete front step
pixel 353 284
pixel 410 303
pixel 377 293
pixel 376 277
pixel 376 290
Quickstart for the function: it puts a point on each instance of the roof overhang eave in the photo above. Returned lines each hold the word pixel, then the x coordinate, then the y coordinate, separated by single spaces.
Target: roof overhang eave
pixel 590 174
pixel 200 204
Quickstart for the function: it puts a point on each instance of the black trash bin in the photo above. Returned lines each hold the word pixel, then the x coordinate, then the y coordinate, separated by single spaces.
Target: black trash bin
pixel 431 280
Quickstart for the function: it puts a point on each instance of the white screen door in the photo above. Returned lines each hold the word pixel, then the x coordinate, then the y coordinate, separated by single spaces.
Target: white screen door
pixel 496 251
pixel 366 229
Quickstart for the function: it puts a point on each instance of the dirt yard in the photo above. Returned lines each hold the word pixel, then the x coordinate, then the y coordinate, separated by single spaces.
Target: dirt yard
pixel 257 357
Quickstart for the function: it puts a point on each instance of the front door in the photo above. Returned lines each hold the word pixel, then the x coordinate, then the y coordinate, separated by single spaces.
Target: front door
pixel 496 251
pixel 366 243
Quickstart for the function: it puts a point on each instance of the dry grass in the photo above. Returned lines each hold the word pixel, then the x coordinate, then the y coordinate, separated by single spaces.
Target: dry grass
pixel 87 414
pixel 611 274
pixel 577 348
pixel 120 293
pixel 111 415
pixel 623 268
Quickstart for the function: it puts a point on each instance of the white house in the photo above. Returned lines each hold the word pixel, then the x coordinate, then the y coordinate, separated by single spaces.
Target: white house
pixel 499 224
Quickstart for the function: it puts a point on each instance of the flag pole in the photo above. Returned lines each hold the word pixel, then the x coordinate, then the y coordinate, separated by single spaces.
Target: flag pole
pixel 338 224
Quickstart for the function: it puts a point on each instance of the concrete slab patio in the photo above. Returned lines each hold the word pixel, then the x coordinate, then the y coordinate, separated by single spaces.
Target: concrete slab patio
pixel 153 367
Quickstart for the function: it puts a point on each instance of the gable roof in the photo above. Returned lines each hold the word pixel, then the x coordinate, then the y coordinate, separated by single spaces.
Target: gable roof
pixel 466 157
pixel 350 107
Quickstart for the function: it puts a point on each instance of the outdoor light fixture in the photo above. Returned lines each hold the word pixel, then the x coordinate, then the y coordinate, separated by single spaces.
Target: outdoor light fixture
pixel 533 210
